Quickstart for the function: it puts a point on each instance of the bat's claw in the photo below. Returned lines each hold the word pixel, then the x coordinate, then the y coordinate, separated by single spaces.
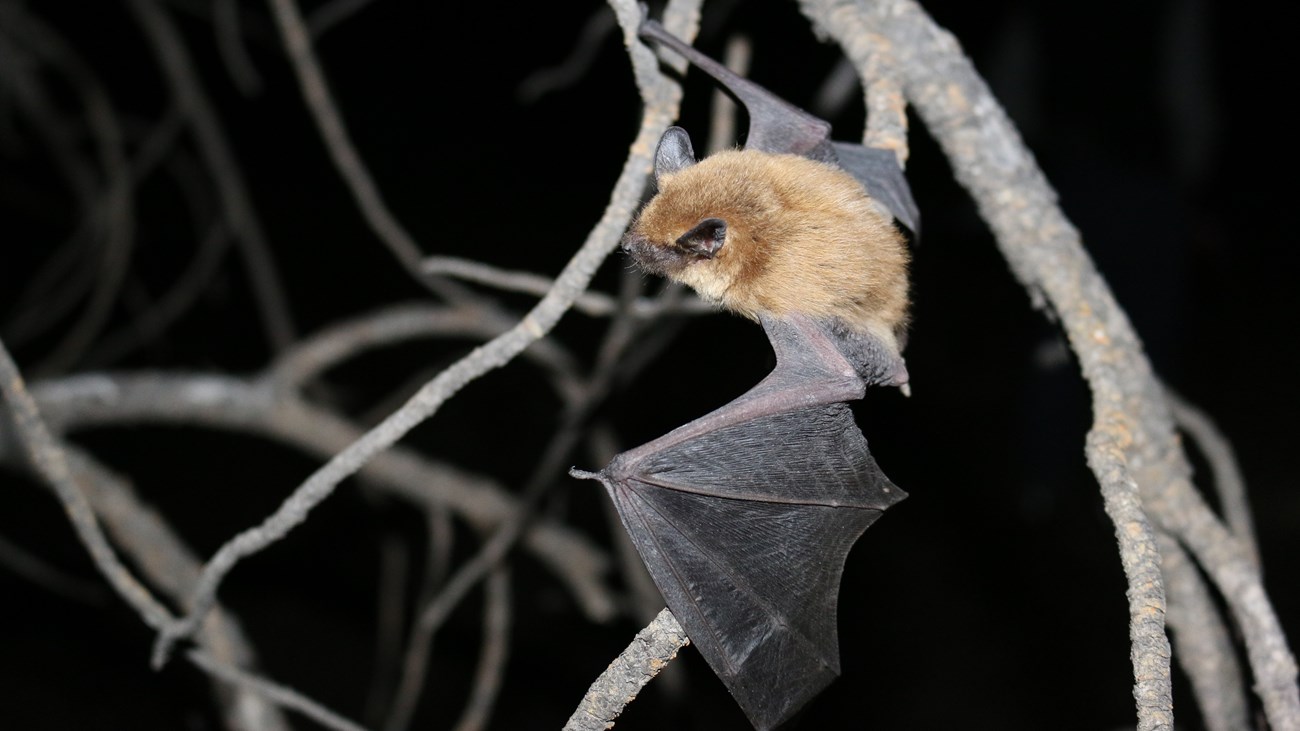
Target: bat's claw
pixel 585 475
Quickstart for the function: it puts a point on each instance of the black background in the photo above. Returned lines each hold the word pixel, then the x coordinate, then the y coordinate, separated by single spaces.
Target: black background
pixel 992 598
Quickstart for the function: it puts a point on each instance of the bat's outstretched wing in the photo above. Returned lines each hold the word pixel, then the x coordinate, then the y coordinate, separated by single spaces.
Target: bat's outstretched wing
pixel 776 125
pixel 745 516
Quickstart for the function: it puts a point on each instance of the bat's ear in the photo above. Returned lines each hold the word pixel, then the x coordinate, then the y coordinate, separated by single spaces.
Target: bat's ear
pixel 674 153
pixel 706 238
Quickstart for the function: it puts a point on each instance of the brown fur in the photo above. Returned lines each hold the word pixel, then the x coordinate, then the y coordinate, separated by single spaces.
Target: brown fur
pixel 802 236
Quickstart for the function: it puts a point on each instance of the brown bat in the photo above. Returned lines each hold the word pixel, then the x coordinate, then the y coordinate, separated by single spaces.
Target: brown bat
pixel 744 517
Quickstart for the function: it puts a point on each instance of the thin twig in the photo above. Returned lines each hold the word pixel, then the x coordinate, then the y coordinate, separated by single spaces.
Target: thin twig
pixel 329 123
pixel 109 216
pixel 595 304
pixel 650 652
pixel 440 538
pixel 113 214
pixel 279 694
pixel 492 660
pixel 29 566
pixel 211 249
pixel 1226 474
pixel 394 562
pixel 582 53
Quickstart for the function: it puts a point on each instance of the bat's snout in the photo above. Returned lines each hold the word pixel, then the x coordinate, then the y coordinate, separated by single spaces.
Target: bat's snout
pixel 654 259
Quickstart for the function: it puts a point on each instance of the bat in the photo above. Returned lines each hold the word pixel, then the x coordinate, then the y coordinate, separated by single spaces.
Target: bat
pixel 745 516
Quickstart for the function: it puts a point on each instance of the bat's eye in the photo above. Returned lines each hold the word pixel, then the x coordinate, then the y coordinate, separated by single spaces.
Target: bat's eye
pixel 706 238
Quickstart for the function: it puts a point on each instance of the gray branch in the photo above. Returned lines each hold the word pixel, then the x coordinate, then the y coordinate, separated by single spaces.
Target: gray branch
pixel 1132 446
pixel 228 403
pixel 651 650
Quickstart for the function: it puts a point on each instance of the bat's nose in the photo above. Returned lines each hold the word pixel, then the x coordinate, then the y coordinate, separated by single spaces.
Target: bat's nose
pixel 632 240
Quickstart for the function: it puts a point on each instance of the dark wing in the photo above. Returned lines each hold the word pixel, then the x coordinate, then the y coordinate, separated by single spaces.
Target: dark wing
pixel 776 125
pixel 745 516
pixel 878 171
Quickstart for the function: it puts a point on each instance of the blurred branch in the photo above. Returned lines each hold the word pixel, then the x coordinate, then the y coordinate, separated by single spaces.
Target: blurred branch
pixel 230 44
pixel 146 538
pixel 278 694
pixel 329 122
pixel 258 408
pixel 550 79
pixel 112 215
pixel 47 576
pixel 722 120
pixel 331 13
pixel 110 211
pixel 241 217
pixel 491 665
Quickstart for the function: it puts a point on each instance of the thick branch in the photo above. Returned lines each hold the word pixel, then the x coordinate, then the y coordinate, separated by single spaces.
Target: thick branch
pixel 651 650
pixel 1132 442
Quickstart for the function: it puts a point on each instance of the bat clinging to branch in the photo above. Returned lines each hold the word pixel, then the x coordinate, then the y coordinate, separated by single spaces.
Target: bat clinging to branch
pixel 745 516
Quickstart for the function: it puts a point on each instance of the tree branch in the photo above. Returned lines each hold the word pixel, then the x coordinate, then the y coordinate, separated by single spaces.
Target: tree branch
pixel 651 650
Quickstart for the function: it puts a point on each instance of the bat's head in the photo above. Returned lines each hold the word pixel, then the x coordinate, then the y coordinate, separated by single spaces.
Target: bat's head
pixel 769 233
pixel 698 228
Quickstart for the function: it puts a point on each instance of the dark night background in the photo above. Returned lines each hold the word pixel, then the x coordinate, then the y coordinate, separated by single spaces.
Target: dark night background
pixel 992 598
